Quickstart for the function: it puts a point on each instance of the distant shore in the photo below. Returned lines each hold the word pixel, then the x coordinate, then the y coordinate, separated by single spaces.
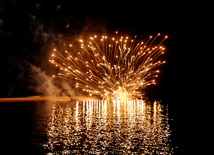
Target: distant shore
pixel 34 98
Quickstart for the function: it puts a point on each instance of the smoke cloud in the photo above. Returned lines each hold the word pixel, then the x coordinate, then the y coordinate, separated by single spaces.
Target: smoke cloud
pixel 44 84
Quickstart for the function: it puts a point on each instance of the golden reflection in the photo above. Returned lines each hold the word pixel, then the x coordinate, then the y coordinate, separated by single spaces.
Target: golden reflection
pixel 109 126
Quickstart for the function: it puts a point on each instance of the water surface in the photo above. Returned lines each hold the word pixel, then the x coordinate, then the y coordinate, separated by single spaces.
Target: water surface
pixel 90 127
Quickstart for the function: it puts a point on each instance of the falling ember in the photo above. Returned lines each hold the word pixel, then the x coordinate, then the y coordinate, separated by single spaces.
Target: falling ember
pixel 114 67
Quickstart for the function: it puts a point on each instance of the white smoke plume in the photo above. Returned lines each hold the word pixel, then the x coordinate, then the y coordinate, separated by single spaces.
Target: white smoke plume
pixel 44 84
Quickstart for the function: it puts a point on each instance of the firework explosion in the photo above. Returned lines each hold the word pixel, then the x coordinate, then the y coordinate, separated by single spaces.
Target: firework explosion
pixel 114 67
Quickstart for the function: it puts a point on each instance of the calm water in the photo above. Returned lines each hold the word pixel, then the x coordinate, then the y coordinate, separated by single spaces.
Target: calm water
pixel 88 127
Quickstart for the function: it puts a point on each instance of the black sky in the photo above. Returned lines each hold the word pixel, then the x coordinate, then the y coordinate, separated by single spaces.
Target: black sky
pixel 27 28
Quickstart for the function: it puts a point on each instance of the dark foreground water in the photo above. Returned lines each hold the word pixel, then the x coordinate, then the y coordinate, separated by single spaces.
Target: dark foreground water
pixel 87 127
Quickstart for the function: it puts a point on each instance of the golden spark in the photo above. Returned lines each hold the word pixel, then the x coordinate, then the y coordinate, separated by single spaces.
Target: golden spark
pixel 114 67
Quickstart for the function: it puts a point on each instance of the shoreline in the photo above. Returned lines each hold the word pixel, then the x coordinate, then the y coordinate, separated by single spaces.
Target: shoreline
pixel 34 99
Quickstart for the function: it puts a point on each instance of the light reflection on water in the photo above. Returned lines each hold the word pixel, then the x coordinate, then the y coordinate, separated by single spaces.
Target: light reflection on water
pixel 108 127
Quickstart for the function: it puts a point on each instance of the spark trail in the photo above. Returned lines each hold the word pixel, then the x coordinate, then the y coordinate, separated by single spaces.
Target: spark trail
pixel 111 67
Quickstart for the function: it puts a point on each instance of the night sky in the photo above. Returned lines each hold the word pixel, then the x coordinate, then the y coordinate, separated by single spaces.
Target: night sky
pixel 29 28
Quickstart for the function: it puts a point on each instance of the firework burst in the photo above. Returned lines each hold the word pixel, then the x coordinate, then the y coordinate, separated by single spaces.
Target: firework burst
pixel 111 67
